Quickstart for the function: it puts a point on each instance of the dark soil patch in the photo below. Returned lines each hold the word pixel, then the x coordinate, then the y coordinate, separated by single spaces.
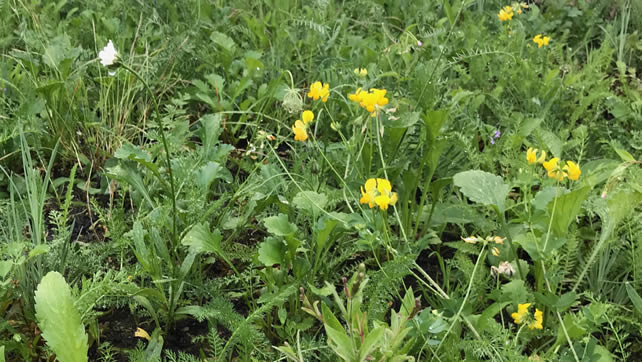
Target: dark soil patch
pixel 117 328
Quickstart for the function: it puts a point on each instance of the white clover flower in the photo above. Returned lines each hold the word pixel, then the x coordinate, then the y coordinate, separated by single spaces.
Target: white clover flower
pixel 108 55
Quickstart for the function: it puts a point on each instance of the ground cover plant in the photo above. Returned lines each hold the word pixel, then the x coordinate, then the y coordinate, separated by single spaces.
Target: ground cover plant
pixel 326 180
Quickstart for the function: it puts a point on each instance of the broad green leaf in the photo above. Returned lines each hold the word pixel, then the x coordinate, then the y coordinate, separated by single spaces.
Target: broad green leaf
pixel 338 339
pixel 210 130
pixel 210 172
pixel 5 268
pixel 279 225
pixel 370 342
pixel 483 187
pixel 566 209
pixel 324 228
pixel 271 251
pixel 1 353
pixel 404 120
pixel 223 41
pixel 154 347
pixel 546 195
pixel 59 320
pixel 38 250
pixel 619 206
pixel 310 201
pixel 552 141
pixel 201 240
pixel 124 172
pixel 635 297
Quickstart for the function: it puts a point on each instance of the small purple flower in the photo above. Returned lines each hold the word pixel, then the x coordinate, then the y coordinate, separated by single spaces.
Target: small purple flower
pixel 419 43
pixel 495 136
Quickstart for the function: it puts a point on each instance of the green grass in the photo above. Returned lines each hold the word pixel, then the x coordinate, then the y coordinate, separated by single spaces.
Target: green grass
pixel 169 187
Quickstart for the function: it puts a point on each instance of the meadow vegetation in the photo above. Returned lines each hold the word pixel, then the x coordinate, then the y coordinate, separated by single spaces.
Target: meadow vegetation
pixel 363 180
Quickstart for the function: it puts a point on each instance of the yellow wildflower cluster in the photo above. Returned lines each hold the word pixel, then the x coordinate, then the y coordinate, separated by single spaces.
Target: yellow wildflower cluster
pixel 318 90
pixel 541 41
pixel 362 72
pixel 522 315
pixel 371 100
pixel 506 13
pixel 299 127
pixel 570 170
pixel 378 192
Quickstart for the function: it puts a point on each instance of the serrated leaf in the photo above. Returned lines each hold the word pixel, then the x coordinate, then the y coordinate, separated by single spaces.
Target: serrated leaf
pixel 483 187
pixel 279 225
pixel 271 251
pixel 210 172
pixel 546 195
pixel 59 320
pixel 310 201
pixel 201 240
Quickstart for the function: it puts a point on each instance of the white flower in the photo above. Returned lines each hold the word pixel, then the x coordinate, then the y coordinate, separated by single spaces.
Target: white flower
pixel 108 55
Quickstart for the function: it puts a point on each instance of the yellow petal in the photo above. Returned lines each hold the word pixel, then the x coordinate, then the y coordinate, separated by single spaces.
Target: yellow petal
pixel 383 186
pixel 142 334
pixel 307 116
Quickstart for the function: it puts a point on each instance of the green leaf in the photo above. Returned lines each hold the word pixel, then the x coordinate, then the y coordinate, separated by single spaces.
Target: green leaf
pixel 38 250
pixel 338 339
pixel 482 187
pixel 210 172
pixel 124 172
pixel 370 342
pixel 566 209
pixel 279 225
pixel 310 201
pixel 271 251
pixel 201 240
pixel 1 353
pixel 546 195
pixel 59 320
pixel 551 141
pixel 324 228
pixel 154 347
pixel 635 297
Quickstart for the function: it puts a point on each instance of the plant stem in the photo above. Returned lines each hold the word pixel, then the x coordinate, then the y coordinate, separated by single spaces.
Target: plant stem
pixel 166 149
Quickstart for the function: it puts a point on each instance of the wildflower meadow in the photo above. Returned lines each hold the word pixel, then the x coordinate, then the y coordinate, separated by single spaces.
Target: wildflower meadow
pixel 323 180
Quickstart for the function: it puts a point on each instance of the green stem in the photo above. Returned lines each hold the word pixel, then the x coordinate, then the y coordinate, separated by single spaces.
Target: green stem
pixel 166 149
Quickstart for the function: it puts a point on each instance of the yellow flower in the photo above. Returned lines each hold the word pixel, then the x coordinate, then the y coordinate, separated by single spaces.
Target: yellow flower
pixel 379 192
pixel 495 251
pixel 522 312
pixel 300 133
pixel 541 41
pixel 307 117
pixel 318 90
pixel 573 170
pixel 362 72
pixel 531 155
pixel 370 193
pixel 370 100
pixel 537 323
pixel 553 170
pixel 142 334
pixel 499 240
pixel 506 13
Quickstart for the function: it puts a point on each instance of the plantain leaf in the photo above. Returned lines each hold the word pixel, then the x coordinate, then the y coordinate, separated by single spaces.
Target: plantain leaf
pixel 59 320
pixel 482 187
